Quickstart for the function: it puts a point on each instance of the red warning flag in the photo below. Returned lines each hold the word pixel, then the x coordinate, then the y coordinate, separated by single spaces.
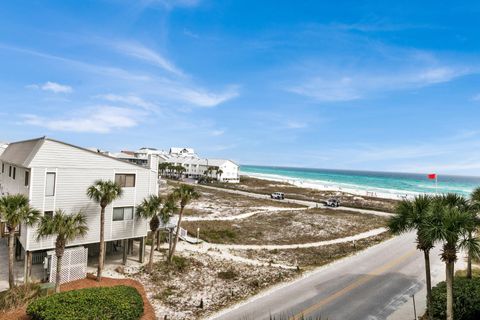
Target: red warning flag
pixel 432 176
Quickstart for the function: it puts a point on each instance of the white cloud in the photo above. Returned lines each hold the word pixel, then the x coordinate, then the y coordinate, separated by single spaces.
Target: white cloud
pixel 128 99
pixel 141 52
pixel 357 85
pixel 292 124
pixel 204 98
pixel 52 86
pixel 170 4
pixel 328 89
pixel 102 119
pixel 217 133
pixel 476 97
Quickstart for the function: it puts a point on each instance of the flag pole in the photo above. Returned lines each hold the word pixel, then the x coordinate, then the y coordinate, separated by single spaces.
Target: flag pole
pixel 436 184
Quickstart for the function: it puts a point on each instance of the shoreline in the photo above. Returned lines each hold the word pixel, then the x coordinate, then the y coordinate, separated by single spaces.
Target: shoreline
pixel 328 186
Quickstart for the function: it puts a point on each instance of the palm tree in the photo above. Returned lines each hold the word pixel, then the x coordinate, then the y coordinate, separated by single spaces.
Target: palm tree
pixel 180 170
pixel 169 208
pixel 219 173
pixel 475 208
pixel 14 211
pixel 412 215
pixel 449 224
pixel 468 242
pixel 185 194
pixel 162 167
pixel 103 193
pixel 67 228
pixel 149 209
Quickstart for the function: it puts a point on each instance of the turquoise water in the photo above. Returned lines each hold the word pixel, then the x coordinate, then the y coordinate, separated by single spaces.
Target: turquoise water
pixel 379 182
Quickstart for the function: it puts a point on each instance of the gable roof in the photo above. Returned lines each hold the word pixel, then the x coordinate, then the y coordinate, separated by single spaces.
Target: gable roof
pixel 21 153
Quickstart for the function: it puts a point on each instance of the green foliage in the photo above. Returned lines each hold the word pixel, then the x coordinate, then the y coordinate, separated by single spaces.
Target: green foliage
pixel 229 274
pixel 119 303
pixel 15 210
pixel 18 296
pixel 65 226
pixel 466 299
pixel 179 263
pixel 218 236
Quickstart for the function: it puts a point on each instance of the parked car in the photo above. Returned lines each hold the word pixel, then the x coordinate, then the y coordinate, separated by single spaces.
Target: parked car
pixel 278 195
pixel 332 203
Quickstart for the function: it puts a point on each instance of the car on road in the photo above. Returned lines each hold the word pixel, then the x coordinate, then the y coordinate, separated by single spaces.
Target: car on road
pixel 334 203
pixel 278 195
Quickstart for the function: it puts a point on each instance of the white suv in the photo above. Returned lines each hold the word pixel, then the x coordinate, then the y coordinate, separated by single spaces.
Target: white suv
pixel 278 195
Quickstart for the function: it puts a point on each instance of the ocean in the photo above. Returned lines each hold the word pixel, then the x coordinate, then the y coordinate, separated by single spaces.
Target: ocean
pixel 388 184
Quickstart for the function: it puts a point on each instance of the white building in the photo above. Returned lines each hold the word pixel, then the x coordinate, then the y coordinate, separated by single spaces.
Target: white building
pixel 223 170
pixel 56 175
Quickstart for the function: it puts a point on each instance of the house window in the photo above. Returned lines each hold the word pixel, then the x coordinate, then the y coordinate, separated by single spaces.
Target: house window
pixel 9 171
pixel 48 213
pixel 50 184
pixel 14 172
pixel 125 180
pixel 27 178
pixel 3 167
pixel 122 213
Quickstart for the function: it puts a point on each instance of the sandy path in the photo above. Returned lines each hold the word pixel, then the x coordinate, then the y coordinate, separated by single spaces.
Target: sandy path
pixel 239 216
pixel 309 204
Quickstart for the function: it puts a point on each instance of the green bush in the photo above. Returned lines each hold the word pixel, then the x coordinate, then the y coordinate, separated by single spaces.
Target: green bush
pixel 119 303
pixel 466 299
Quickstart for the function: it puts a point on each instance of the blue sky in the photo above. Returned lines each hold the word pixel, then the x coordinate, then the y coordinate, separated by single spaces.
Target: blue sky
pixel 373 85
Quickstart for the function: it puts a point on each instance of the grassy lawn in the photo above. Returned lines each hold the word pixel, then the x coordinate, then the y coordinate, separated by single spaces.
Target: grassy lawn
pixel 311 257
pixel 286 227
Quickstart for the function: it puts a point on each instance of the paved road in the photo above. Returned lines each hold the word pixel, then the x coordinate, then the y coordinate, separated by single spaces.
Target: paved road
pixel 371 285
pixel 310 204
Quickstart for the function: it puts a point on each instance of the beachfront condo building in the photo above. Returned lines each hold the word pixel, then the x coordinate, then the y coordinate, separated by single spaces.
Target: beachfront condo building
pixel 221 169
pixel 195 167
pixel 55 175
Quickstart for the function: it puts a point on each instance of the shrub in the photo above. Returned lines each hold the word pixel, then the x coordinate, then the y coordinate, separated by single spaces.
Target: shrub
pixel 466 299
pixel 229 274
pixel 18 296
pixel 118 302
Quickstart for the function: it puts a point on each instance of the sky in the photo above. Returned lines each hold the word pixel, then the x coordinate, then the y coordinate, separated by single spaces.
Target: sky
pixel 364 85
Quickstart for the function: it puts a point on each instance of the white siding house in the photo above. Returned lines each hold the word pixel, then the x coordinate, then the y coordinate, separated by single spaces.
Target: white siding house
pixel 55 175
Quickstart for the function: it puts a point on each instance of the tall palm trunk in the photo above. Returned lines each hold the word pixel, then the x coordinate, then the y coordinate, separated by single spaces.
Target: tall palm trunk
pixel 58 276
pixel 158 240
pixel 59 251
pixel 426 254
pixel 469 260
pixel 172 252
pixel 101 255
pixel 449 268
pixel 170 241
pixel 469 266
pixel 11 242
pixel 150 261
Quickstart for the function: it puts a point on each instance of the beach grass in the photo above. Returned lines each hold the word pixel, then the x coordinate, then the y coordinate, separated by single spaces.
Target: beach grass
pixel 286 227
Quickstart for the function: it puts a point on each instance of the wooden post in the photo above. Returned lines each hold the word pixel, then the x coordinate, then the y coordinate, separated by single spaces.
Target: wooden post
pixel 130 246
pixel 124 249
pixel 141 250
